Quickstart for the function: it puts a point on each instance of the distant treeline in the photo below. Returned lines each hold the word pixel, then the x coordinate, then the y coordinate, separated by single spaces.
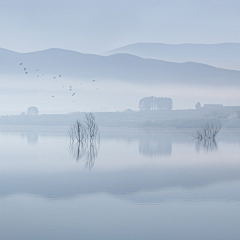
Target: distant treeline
pixel 162 119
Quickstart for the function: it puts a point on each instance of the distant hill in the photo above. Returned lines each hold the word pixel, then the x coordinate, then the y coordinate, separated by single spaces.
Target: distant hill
pixel 223 55
pixel 124 67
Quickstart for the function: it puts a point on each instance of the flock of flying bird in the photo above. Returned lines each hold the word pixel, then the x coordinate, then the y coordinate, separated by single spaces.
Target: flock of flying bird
pixel 70 88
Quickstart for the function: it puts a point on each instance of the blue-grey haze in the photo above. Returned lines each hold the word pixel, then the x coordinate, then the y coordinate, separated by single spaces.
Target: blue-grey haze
pixel 97 26
pixel 222 55
pixel 137 187
pixel 107 83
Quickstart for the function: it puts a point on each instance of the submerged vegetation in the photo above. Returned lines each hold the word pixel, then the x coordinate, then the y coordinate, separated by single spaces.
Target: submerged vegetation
pixel 205 137
pixel 84 139
pixel 208 131
pixel 82 131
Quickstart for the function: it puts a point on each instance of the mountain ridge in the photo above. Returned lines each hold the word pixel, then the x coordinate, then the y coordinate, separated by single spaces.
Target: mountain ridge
pixel 122 66
pixel 221 55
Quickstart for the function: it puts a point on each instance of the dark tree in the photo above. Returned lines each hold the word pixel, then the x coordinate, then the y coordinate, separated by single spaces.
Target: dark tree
pixel 32 111
pixel 154 103
pixel 198 105
pixel 147 103
pixel 163 103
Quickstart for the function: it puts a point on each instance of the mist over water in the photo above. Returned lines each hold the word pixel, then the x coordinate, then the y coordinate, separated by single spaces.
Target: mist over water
pixel 144 175
pixel 120 120
pixel 54 95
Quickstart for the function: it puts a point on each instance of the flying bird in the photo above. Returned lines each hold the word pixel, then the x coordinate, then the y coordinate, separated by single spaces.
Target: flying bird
pixel 54 77
pixel 24 69
pixel 73 94
pixel 37 70
pixel 60 75
pixel 20 63
pixel 93 80
pixel 26 72
pixel 52 96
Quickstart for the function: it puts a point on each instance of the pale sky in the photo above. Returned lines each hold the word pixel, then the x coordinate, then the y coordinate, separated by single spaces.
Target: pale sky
pixel 95 26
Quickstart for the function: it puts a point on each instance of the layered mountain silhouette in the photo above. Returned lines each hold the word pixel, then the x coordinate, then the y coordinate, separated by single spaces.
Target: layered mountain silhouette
pixel 123 67
pixel 223 55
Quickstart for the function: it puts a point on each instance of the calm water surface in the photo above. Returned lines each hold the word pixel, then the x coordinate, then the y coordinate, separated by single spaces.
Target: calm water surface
pixel 133 184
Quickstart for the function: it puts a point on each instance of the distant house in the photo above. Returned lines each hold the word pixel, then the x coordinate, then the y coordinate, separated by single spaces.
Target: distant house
pixel 218 110
pixel 232 108
pixel 213 106
pixel 221 107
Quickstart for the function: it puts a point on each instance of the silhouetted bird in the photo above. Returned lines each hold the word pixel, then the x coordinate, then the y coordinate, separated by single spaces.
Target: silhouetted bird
pixel 37 76
pixel 20 63
pixel 26 72
pixel 93 80
pixel 24 69
pixel 73 94
pixel 52 96
pixel 37 70
pixel 54 77
pixel 60 75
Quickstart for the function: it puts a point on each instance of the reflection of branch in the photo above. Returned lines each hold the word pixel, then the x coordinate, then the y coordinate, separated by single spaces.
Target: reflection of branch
pixel 87 151
pixel 77 150
pixel 91 155
pixel 209 145
pixel 155 147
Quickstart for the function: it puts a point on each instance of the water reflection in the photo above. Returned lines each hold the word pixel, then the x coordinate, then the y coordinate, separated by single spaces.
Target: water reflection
pixel 85 151
pixel 155 146
pixel 208 145
pixel 125 173
pixel 123 181
pixel 32 138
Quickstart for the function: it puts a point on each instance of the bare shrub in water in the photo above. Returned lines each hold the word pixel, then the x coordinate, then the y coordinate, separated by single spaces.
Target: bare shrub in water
pixel 205 137
pixel 83 131
pixel 77 132
pixel 208 131
pixel 84 140
pixel 91 126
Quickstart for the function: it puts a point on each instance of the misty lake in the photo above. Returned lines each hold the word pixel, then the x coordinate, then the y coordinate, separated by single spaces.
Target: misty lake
pixel 132 184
